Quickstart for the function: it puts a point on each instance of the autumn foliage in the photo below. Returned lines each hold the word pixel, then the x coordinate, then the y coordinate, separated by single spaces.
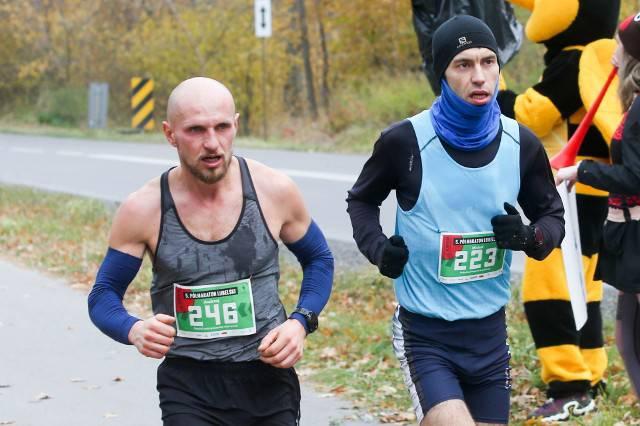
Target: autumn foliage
pixel 318 48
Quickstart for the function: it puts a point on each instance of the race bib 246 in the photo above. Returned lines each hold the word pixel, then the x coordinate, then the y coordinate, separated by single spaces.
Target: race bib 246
pixel 215 310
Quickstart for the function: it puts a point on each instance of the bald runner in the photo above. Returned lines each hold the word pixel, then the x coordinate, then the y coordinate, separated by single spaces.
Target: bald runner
pixel 211 228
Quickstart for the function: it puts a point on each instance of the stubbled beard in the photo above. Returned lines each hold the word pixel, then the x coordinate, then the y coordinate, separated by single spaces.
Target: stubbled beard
pixel 209 178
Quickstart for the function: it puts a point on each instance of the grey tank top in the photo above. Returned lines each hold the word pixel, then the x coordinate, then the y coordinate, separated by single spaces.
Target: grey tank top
pixel 249 251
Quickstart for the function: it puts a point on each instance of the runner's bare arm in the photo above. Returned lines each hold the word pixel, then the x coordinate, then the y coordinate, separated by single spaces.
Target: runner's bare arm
pixel 133 231
pixel 283 346
pixel 135 224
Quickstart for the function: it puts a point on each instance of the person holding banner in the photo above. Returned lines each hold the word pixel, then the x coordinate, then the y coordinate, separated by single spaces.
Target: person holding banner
pixel 619 261
pixel 458 169
pixel 211 228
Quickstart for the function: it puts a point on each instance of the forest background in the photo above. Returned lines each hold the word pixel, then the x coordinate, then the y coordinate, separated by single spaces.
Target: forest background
pixel 337 72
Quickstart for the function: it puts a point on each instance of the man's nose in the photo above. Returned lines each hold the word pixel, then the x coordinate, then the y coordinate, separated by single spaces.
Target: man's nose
pixel 211 139
pixel 478 74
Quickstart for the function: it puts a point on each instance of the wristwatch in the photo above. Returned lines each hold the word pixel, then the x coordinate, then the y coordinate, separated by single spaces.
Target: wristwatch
pixel 311 318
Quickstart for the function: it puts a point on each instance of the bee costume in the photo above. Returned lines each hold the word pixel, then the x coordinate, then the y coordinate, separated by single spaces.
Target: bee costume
pixel 577 63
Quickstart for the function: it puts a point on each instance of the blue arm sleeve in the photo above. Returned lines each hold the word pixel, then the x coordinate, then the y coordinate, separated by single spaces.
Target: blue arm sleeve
pixel 316 260
pixel 106 310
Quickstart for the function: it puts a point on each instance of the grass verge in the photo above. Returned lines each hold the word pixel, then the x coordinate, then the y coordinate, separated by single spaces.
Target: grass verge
pixel 350 355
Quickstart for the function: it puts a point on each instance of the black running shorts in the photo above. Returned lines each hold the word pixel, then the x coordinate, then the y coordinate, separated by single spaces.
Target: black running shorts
pixel 199 393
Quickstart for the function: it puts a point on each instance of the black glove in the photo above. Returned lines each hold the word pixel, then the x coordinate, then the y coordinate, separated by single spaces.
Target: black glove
pixel 394 256
pixel 510 232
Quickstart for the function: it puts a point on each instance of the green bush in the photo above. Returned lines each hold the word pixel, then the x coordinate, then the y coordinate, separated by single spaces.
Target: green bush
pixel 65 106
pixel 381 99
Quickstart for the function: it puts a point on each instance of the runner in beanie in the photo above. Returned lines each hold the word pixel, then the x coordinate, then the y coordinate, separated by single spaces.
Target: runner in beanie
pixel 458 170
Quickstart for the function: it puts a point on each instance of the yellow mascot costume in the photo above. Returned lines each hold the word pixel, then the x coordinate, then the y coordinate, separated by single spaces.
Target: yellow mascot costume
pixel 576 61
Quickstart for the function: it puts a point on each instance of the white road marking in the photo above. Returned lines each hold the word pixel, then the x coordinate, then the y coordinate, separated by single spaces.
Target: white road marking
pixel 133 159
pixel 338 177
pixel 27 150
pixel 71 153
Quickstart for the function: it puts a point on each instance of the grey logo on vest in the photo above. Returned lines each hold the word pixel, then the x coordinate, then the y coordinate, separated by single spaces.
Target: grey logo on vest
pixel 462 41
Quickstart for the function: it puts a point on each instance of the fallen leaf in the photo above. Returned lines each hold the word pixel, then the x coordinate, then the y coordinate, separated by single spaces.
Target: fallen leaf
pixel 339 389
pixel 627 399
pixel 387 390
pixel 328 352
pixel 118 379
pixel 41 397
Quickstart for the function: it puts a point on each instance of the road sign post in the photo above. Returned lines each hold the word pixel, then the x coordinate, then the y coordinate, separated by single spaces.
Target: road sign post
pixel 262 19
pixel 98 105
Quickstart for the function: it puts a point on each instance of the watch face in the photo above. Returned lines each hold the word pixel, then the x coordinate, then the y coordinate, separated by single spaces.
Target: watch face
pixel 312 321
pixel 310 317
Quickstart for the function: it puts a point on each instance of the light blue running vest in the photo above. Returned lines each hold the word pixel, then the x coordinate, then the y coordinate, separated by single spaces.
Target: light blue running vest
pixel 454 198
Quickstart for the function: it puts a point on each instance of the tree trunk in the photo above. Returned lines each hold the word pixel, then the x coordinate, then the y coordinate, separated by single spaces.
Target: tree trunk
pixel 306 56
pixel 293 87
pixel 245 115
pixel 324 91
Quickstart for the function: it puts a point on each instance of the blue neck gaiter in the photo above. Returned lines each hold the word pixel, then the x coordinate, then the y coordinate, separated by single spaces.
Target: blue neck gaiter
pixel 462 125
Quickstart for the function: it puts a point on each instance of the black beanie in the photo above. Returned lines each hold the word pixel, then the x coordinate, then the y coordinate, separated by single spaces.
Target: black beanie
pixel 457 34
pixel 629 34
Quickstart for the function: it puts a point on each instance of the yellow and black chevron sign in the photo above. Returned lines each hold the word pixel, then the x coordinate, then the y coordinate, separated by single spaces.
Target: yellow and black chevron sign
pixel 142 103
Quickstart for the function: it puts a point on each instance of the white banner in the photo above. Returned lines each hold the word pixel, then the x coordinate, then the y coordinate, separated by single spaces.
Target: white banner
pixel 572 256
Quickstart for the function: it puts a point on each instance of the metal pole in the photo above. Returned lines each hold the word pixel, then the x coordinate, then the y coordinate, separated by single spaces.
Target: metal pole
pixel 264 89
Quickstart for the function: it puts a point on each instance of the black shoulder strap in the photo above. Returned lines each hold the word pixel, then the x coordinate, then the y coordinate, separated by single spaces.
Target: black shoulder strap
pixel 248 189
pixel 166 200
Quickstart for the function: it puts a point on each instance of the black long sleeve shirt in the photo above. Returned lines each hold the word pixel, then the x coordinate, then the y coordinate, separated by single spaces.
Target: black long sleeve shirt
pixel 395 164
pixel 622 178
